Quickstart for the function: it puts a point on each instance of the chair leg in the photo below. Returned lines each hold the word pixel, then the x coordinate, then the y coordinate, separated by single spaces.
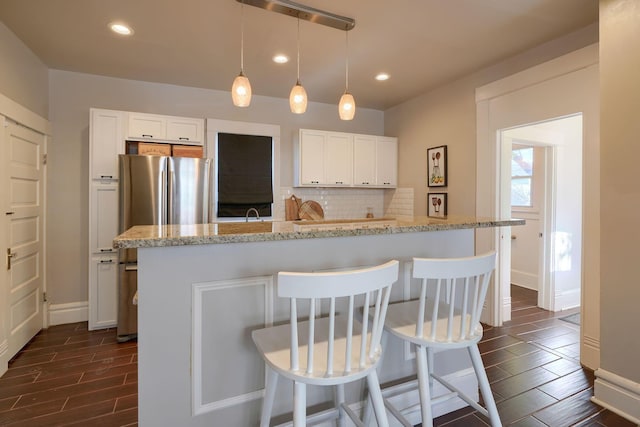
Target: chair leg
pixel 375 396
pixel 269 397
pixel 423 386
pixel 485 389
pixel 299 404
pixel 339 399
pixel 430 364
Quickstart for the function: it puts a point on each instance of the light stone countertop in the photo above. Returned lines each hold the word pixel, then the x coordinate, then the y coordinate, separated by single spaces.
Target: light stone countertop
pixel 147 236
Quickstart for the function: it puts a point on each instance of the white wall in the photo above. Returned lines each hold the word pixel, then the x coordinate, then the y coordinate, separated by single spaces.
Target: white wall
pixel 447 116
pixel 618 382
pixel 71 96
pixel 23 77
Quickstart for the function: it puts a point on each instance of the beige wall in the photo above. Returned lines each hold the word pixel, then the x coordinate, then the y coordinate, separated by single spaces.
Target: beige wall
pixel 23 77
pixel 447 116
pixel 620 193
pixel 72 94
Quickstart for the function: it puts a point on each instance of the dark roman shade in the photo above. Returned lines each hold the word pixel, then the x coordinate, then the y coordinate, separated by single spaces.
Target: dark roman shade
pixel 244 174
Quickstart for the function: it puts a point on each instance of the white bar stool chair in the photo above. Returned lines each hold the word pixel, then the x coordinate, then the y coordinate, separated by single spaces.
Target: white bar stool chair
pixel 446 316
pixel 332 350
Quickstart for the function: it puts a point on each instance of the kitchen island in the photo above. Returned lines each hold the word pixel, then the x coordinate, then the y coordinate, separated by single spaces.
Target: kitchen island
pixel 203 288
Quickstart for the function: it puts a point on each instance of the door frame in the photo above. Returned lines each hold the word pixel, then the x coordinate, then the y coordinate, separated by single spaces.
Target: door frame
pixel 557 88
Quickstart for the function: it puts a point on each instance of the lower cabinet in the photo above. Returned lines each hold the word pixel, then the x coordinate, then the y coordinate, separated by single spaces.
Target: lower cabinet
pixel 103 292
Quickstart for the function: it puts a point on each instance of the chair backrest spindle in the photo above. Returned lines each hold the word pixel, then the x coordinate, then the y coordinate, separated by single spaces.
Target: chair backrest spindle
pixel 446 284
pixel 373 282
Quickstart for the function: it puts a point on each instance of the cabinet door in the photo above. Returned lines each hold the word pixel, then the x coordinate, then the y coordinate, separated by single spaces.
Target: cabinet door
pixel 147 126
pixel 387 162
pixel 103 217
pixel 338 160
pixel 185 130
pixel 312 144
pixel 364 160
pixel 106 141
pixel 103 292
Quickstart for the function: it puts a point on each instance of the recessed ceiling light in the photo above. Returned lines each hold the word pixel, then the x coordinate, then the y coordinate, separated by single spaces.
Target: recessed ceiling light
pixel 120 28
pixel 382 77
pixel 280 59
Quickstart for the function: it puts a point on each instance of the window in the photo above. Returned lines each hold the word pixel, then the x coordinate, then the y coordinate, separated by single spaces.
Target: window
pixel 245 170
pixel 522 176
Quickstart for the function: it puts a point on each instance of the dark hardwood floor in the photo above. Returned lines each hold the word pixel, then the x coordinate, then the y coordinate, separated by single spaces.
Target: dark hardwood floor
pixel 533 365
pixel 69 376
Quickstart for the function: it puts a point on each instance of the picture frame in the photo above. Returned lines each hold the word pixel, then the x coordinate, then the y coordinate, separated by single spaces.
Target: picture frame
pixel 437 166
pixel 437 205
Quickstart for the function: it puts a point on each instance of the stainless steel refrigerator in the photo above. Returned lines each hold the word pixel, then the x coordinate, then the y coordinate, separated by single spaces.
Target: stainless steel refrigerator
pixel 155 190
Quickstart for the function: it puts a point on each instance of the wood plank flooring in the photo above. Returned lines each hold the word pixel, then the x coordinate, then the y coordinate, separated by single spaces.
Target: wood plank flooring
pixel 533 365
pixel 68 376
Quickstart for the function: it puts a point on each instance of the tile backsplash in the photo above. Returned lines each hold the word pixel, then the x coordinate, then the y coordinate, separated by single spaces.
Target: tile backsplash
pixel 342 203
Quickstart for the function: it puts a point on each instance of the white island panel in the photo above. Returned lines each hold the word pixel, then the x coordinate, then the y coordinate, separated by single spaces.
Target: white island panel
pixel 199 303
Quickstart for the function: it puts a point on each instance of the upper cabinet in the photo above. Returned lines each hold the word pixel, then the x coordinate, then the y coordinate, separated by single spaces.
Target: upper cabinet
pixel 154 127
pixel 323 159
pixel 105 143
pixel 337 159
pixel 386 161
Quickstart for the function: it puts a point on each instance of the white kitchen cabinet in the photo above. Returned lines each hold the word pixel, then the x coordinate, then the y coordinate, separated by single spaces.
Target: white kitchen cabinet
pixel 364 160
pixel 147 126
pixel 103 294
pixel 323 159
pixel 103 220
pixel 310 155
pixel 386 162
pixel 338 159
pixel 153 127
pixel 185 130
pixel 105 143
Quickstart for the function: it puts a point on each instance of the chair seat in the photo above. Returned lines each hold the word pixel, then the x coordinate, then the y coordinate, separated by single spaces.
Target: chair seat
pixel 274 344
pixel 401 322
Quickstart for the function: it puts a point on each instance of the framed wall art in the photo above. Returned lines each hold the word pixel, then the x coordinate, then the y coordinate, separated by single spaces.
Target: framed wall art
pixel 437 205
pixel 437 166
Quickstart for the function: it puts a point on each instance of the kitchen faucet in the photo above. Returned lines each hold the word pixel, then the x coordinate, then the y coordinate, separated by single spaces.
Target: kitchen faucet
pixel 246 217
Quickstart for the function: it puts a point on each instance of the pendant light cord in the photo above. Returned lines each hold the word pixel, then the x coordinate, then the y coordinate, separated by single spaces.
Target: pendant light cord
pixel 298 76
pixel 346 88
pixel 242 38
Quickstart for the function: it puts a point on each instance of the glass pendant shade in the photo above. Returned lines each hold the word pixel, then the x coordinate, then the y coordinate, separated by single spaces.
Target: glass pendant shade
pixel 241 91
pixel 298 99
pixel 347 107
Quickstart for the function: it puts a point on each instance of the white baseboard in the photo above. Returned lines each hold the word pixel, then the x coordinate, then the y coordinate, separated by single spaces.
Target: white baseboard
pixel 524 279
pixel 567 299
pixel 590 352
pixel 72 312
pixel 618 394
pixel 4 357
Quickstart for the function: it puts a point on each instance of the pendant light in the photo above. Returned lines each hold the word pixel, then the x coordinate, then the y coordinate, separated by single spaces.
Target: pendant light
pixel 298 96
pixel 241 89
pixel 347 105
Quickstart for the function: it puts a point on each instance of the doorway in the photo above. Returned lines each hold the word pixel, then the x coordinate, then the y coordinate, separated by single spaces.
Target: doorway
pixel 545 188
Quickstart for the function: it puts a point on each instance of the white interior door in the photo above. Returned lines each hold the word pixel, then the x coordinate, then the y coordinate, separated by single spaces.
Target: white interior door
pixel 23 158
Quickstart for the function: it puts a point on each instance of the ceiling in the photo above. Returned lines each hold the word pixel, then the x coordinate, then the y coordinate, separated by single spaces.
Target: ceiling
pixel 420 43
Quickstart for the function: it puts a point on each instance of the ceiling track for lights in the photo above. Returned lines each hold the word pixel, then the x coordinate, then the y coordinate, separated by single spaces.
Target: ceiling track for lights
pixel 301 11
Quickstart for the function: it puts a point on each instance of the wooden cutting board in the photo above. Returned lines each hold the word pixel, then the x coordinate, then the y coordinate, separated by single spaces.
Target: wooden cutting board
pixel 311 210
pixel 291 208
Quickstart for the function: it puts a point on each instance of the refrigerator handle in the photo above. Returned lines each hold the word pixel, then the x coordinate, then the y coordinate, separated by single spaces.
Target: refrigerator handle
pixel 163 199
pixel 171 196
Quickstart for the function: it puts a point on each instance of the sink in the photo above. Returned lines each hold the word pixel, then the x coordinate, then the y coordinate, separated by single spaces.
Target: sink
pixel 343 224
